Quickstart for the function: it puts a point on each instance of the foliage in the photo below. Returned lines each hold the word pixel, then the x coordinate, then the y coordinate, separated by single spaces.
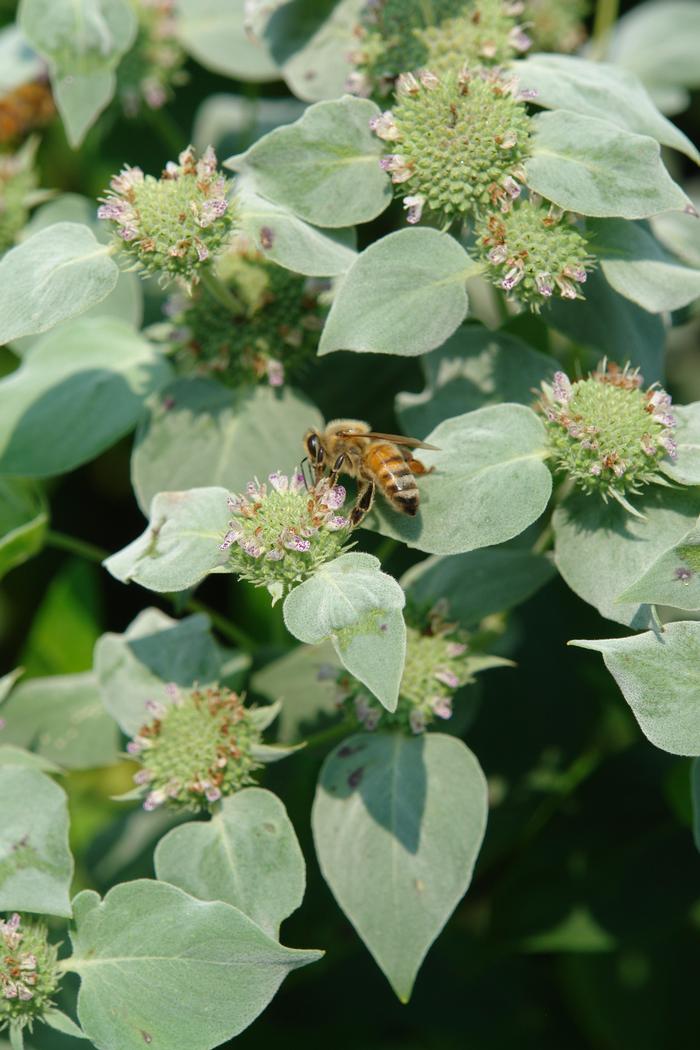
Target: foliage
pixel 223 226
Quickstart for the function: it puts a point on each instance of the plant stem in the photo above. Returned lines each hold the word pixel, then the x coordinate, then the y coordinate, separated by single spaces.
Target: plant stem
pixel 386 548
pixel 328 736
pixel 167 129
pixel 82 549
pixel 428 12
pixel 220 292
pixel 605 18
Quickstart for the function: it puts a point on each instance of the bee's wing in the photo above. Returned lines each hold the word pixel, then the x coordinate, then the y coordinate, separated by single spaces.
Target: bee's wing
pixel 397 439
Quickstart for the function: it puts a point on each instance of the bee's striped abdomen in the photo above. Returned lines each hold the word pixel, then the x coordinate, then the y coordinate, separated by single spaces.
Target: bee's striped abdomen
pixel 393 476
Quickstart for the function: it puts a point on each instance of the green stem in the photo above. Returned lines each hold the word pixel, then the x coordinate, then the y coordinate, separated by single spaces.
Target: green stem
pixel 605 18
pixel 82 549
pixel 428 12
pixel 328 736
pixel 220 292
pixel 386 548
pixel 167 130
pixel 544 541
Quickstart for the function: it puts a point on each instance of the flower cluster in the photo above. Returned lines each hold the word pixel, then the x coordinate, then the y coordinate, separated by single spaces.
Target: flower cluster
pixel 400 35
pixel 606 432
pixel 459 141
pixel 174 224
pixel 199 747
pixel 437 665
pixel 152 67
pixel 557 25
pixel 18 181
pixel 279 535
pixel 532 254
pixel 24 110
pixel 29 975
pixel 266 331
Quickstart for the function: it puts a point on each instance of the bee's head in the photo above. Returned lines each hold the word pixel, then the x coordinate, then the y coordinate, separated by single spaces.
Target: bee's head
pixel 314 447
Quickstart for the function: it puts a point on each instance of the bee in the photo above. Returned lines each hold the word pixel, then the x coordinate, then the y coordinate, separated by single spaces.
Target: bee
pixel 377 461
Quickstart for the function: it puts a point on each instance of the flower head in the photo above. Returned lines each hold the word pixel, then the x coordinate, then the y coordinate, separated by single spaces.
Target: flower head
pixel 267 332
pixel 486 33
pixel 280 532
pixel 29 975
pixel 557 25
pixel 200 746
pixel 606 432
pixel 532 254
pixel 173 224
pixel 153 65
pixel 457 142
pixel 18 182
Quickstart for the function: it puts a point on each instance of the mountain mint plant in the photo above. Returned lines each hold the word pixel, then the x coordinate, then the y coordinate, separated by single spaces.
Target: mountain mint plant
pixel 339 428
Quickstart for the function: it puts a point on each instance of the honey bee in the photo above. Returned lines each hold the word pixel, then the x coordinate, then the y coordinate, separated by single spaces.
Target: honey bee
pixel 377 461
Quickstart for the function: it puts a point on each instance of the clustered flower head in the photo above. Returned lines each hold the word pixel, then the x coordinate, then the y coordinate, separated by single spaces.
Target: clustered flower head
pixel 557 25
pixel 173 224
pixel 152 67
pixel 18 192
pixel 199 747
pixel 29 975
pixel 606 432
pixel 281 531
pixel 271 333
pixel 437 665
pixel 486 33
pixel 458 142
pixel 532 254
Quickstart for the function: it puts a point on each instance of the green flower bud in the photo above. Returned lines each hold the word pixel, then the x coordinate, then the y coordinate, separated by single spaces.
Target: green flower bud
pixel 607 433
pixel 29 975
pixel 279 536
pixel 557 25
pixel 174 224
pixel 271 336
pixel 532 254
pixel 459 143
pixel 152 67
pixel 200 746
pixel 437 665
pixel 18 182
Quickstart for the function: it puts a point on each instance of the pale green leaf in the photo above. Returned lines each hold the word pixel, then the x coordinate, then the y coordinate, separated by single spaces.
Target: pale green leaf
pixel 685 469
pixel 672 579
pixel 474 368
pixel 60 1022
pixel 405 294
pixel 246 855
pixel 19 64
pixel 590 166
pixel 600 90
pixel 398 824
pixel 96 372
pixel 36 867
pixel 180 546
pixel 80 98
pixel 601 549
pixel 352 602
pixel 62 719
pixel 659 677
pixel 7 682
pixel 324 167
pixel 23 522
pixel 152 961
pixel 637 267
pixel 679 231
pixel 288 240
pixel 490 483
pixel 230 122
pixel 307 694
pixel 214 33
pixel 57 274
pixel 155 650
pixel 479 583
pixel 200 433
pixel 312 41
pixel 19 756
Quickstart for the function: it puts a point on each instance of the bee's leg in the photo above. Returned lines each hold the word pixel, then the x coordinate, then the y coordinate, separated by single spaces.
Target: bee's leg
pixel 363 503
pixel 336 469
pixel 416 467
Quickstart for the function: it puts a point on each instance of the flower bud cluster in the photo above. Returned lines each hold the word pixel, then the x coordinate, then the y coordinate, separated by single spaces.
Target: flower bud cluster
pixel 18 182
pixel 281 532
pixel 437 665
pixel 174 224
pixel 269 335
pixel 532 254
pixel 606 432
pixel 458 142
pixel 557 25
pixel 198 747
pixel 152 67
pixel 29 975
pixel 487 33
